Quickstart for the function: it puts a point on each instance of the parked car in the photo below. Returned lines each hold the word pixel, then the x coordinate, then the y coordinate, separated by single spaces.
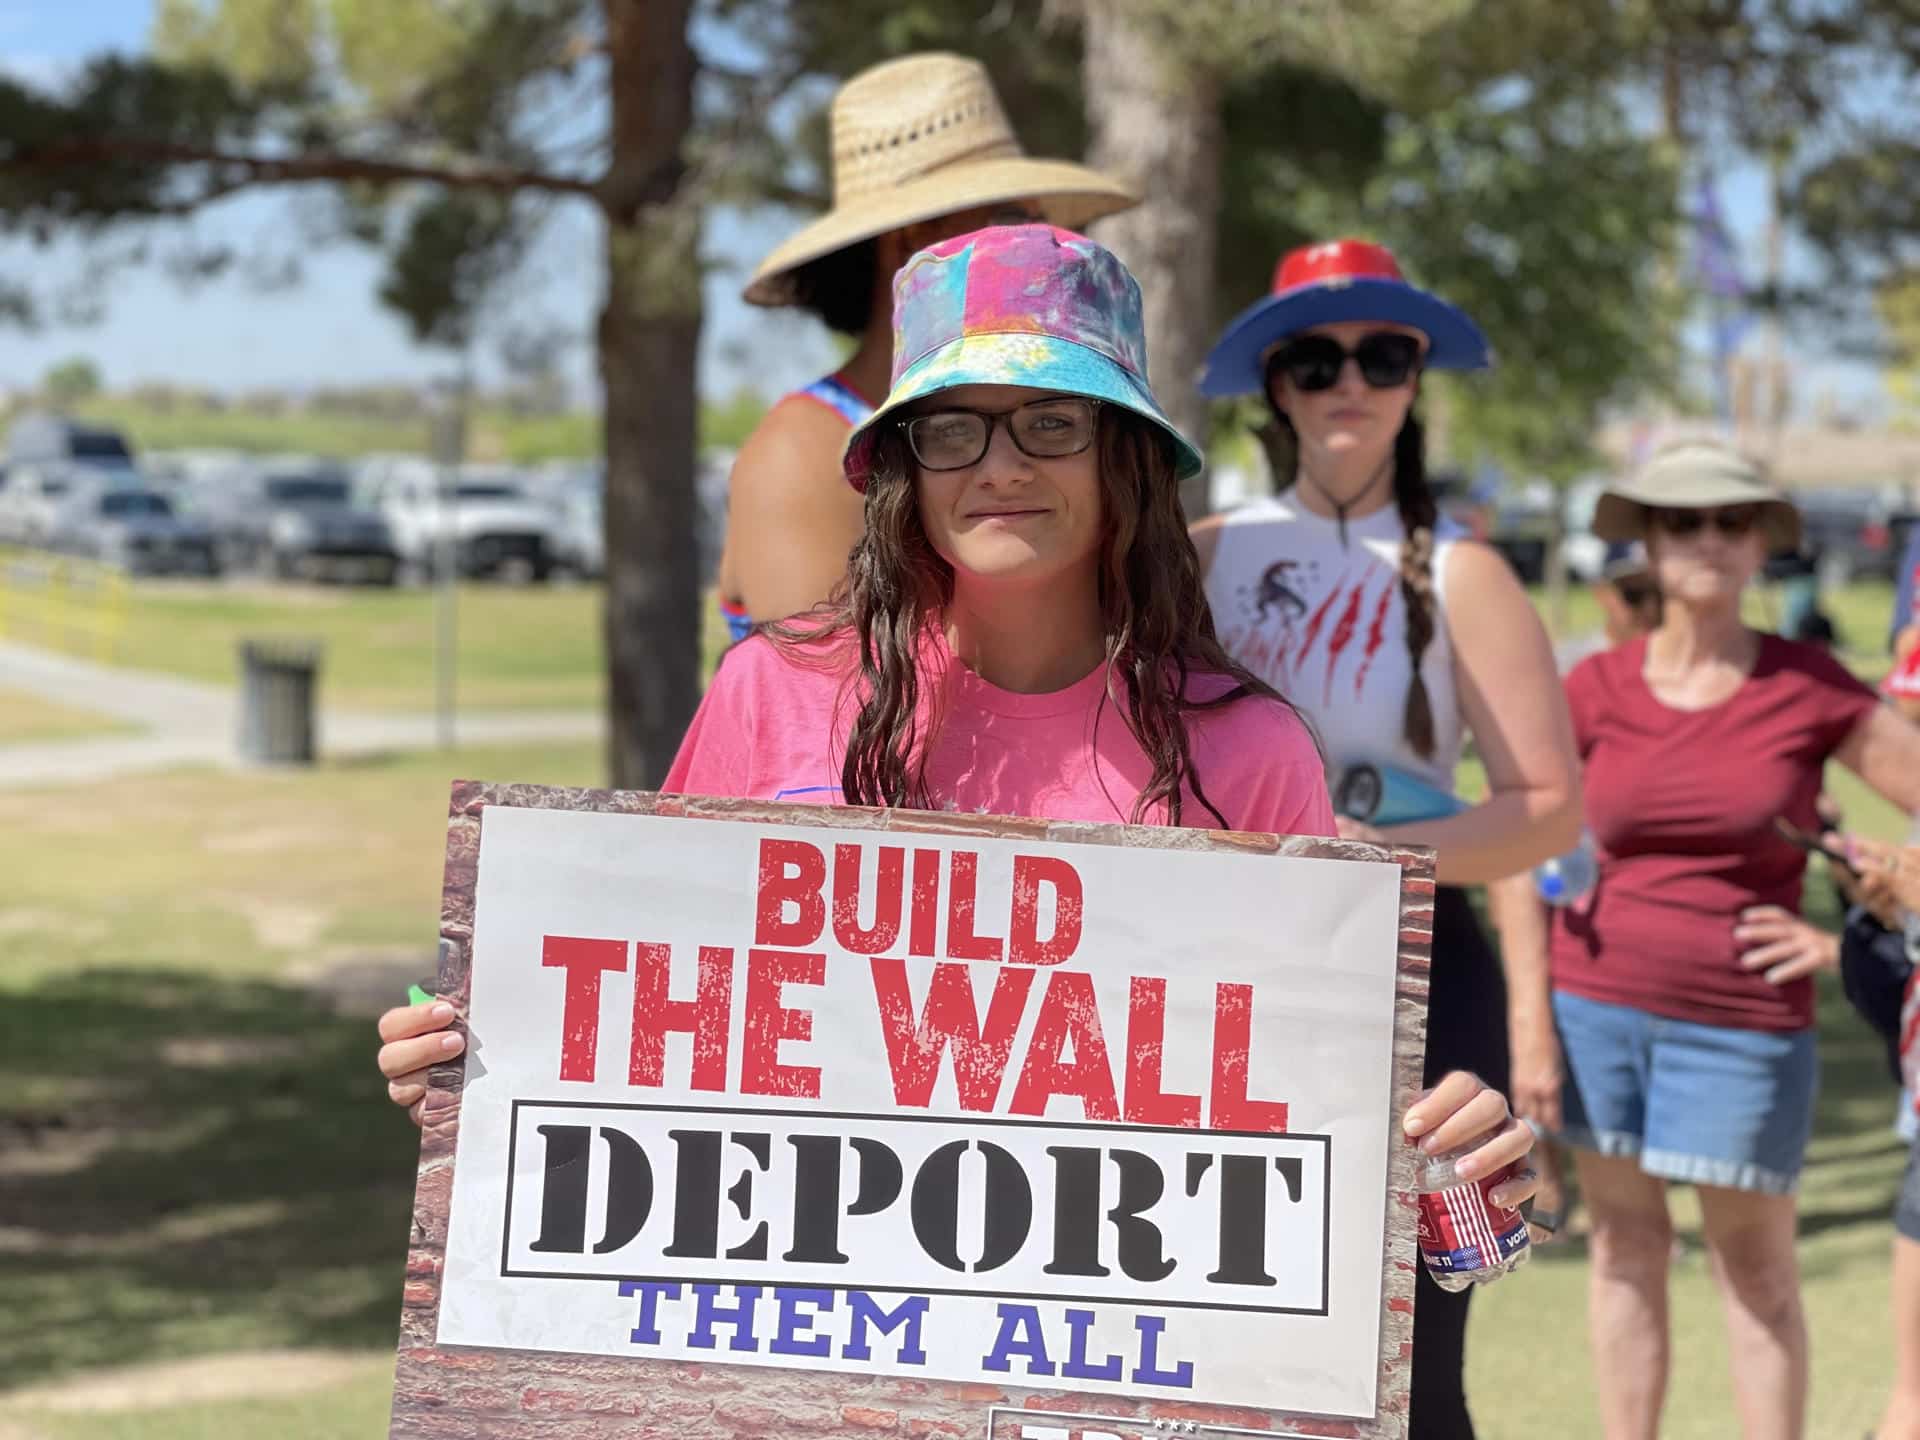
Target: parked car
pixel 496 527
pixel 580 539
pixel 1849 533
pixel 296 518
pixel 53 439
pixel 36 490
pixel 135 529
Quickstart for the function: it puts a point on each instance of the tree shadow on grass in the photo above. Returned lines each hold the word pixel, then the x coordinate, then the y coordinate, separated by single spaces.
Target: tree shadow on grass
pixel 187 1163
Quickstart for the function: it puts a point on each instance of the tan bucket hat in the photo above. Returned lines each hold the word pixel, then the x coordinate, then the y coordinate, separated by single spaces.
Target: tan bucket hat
pixel 921 137
pixel 1694 475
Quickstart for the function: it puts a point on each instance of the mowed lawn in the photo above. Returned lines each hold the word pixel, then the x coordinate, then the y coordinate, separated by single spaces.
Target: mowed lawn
pixel 197 1158
pixel 532 647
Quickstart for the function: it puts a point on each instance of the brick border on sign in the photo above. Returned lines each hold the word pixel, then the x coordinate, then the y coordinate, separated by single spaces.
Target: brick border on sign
pixel 468 1393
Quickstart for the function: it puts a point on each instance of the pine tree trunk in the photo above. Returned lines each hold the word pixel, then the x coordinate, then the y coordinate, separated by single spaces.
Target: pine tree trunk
pixel 1156 124
pixel 649 335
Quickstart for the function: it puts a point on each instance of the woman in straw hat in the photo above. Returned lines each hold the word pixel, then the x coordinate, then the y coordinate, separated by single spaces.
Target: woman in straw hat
pixel 1683 985
pixel 1399 638
pixel 1022 629
pixel 921 150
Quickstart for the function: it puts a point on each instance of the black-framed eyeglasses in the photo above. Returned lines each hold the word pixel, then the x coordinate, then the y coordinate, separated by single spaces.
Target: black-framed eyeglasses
pixel 1049 429
pixel 1732 521
pixel 1313 362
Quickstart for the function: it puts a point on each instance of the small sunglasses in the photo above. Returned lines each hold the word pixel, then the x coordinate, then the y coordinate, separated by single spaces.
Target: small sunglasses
pixel 1732 522
pixel 1314 362
pixel 1636 592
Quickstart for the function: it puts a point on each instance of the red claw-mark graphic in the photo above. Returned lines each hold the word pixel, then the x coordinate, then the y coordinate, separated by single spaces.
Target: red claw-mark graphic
pixel 1376 635
pixel 1313 625
pixel 1342 636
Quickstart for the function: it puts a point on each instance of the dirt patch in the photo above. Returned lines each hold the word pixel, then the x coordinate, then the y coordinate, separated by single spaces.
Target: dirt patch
pixel 240 1375
pixel 364 981
pixel 281 924
pixel 46 1146
pixel 216 1052
pixel 64 923
pixel 261 840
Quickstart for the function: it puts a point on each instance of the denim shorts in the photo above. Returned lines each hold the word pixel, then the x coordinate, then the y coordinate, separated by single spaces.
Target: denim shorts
pixel 1906 1205
pixel 1701 1104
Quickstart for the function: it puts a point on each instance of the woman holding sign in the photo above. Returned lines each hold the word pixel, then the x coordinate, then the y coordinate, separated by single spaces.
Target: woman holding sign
pixel 1022 630
pixel 1397 635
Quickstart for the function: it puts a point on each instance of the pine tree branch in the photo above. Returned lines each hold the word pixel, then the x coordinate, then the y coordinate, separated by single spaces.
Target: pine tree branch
pixel 234 171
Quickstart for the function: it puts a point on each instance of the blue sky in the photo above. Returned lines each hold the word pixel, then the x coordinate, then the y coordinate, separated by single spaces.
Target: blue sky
pixel 329 329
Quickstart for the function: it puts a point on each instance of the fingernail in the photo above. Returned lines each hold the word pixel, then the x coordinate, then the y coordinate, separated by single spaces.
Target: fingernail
pixel 442 1011
pixel 1431 1144
pixel 451 1042
pixel 1413 1125
pixel 1467 1169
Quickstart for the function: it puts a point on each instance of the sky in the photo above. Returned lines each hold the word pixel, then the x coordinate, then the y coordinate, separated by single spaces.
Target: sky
pixel 329 329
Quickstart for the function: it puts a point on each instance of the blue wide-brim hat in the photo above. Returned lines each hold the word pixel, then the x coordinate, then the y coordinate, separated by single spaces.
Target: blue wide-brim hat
pixel 1341 280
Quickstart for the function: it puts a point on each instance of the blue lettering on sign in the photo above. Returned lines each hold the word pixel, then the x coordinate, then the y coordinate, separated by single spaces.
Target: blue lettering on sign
pixel 795 1335
pixel 1020 1334
pixel 796 1311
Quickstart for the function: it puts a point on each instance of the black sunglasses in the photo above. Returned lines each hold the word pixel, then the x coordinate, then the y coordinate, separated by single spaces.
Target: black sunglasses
pixel 1314 362
pixel 1636 592
pixel 1732 522
pixel 1041 429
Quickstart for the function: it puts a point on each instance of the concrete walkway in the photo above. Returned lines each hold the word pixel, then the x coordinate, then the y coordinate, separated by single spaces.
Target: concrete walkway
pixel 186 722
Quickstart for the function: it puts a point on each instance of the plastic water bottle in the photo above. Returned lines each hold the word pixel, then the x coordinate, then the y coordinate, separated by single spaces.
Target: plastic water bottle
pixel 1466 1239
pixel 1568 879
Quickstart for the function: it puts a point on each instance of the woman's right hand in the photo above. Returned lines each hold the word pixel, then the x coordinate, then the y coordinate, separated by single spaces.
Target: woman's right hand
pixel 414 1038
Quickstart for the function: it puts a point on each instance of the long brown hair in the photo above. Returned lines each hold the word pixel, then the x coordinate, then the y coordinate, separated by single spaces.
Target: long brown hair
pixel 1419 513
pixel 1159 631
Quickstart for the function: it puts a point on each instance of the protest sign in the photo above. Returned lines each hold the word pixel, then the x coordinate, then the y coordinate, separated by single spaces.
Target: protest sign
pixel 783 1119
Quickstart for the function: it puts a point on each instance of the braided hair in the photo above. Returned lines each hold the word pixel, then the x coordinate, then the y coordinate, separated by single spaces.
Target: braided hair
pixel 1419 514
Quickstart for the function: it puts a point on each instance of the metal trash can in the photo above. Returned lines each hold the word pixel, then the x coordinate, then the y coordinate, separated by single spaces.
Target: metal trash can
pixel 277 681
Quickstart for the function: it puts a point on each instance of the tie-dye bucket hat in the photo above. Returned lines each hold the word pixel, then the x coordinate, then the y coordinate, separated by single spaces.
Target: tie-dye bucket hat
pixel 1026 305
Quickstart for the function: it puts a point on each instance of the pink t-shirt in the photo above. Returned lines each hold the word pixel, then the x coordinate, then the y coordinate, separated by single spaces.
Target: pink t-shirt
pixel 774 725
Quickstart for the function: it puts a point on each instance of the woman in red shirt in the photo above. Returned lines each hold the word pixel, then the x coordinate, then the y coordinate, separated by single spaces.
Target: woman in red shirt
pixel 1683 989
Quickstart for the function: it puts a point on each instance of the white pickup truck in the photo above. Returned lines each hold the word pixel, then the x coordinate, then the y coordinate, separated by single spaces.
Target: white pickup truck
pixel 497 527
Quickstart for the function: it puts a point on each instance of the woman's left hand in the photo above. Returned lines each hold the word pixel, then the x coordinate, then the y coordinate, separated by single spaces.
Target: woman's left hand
pixel 1359 830
pixel 1461 1111
pixel 1786 947
pixel 1889 871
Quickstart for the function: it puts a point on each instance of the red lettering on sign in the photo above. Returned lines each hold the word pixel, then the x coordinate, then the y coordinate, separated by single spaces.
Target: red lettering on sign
pixel 585 961
pixel 962 942
pixel 886 905
pixel 792 872
pixel 1228 1107
pixel 1068 1012
pixel 1024 945
pixel 704 1017
pixel 769 1022
pixel 1147 1104
pixel 949 1019
pixel 921 938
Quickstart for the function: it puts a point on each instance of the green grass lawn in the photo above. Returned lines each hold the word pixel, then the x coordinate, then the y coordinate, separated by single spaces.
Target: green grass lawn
pixel 196 1154
pixel 519 648
pixel 25 719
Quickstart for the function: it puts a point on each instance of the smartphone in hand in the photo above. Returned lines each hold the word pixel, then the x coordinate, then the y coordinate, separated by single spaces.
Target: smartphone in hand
pixel 1811 843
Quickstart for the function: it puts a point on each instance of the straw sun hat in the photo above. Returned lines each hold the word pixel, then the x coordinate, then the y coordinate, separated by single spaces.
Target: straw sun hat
pixel 921 137
pixel 1695 475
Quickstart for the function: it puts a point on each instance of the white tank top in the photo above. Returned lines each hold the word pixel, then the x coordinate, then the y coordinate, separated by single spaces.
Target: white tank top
pixel 1324 623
